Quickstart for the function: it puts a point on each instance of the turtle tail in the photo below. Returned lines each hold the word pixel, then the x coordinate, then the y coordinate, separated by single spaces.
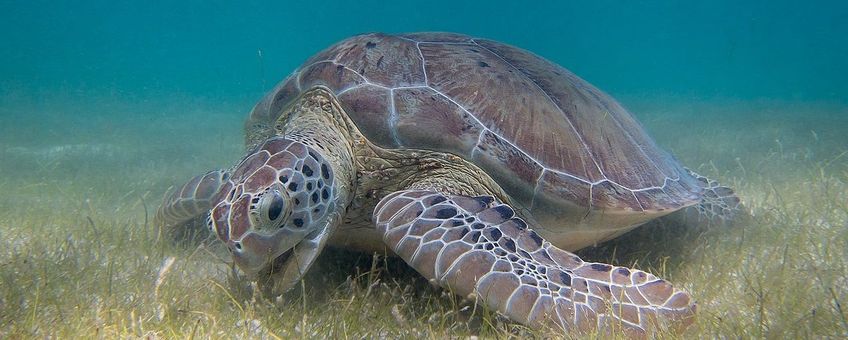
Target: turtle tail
pixel 719 203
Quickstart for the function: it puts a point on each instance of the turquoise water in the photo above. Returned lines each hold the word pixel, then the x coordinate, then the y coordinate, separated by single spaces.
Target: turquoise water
pixel 175 78
pixel 772 49
pixel 106 104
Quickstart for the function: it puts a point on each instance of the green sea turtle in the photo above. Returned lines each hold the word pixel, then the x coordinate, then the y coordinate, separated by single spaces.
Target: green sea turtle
pixel 479 164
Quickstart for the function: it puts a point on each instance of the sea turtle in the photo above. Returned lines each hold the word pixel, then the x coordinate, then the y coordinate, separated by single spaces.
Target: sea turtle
pixel 478 163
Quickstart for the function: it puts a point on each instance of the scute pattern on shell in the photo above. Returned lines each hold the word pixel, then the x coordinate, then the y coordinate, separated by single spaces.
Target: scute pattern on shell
pixel 535 127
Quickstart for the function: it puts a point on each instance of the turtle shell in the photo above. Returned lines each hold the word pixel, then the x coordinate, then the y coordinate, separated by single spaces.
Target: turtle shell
pixel 549 138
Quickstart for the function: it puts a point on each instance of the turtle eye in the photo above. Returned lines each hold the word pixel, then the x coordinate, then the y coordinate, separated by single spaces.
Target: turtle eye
pixel 272 208
pixel 275 208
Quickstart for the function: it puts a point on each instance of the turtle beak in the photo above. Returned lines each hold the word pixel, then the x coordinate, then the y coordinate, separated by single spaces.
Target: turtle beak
pixel 251 251
pixel 254 252
pixel 290 267
pixel 277 260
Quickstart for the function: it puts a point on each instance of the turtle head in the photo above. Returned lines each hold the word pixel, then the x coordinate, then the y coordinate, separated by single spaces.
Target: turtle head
pixel 280 210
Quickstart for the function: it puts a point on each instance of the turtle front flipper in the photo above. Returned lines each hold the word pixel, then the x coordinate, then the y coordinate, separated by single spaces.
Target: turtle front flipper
pixel 183 214
pixel 478 247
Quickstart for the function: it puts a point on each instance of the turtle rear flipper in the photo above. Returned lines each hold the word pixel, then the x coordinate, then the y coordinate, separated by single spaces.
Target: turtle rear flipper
pixel 479 248
pixel 184 212
pixel 718 203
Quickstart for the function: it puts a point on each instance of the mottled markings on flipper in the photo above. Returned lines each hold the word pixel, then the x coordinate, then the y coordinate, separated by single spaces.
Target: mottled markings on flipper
pixel 495 234
pixel 580 285
pixel 298 222
pixel 505 211
pixel 485 200
pixel 530 263
pixel 656 291
pixel 509 244
pixel 601 267
pixel 307 170
pixel 520 224
pixel 445 213
pixel 536 238
pixel 325 194
pixel 475 236
pixel 370 45
pixel 482 64
pixel 293 186
pixel 314 197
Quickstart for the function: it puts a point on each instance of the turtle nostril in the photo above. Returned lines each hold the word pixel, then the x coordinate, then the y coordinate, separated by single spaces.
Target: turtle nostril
pixel 238 245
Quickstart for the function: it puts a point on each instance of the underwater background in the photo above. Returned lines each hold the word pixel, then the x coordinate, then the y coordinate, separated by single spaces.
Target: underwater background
pixel 106 104
pixel 754 49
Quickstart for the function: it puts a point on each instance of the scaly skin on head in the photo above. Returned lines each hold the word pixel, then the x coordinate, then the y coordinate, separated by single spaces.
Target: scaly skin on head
pixel 288 194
